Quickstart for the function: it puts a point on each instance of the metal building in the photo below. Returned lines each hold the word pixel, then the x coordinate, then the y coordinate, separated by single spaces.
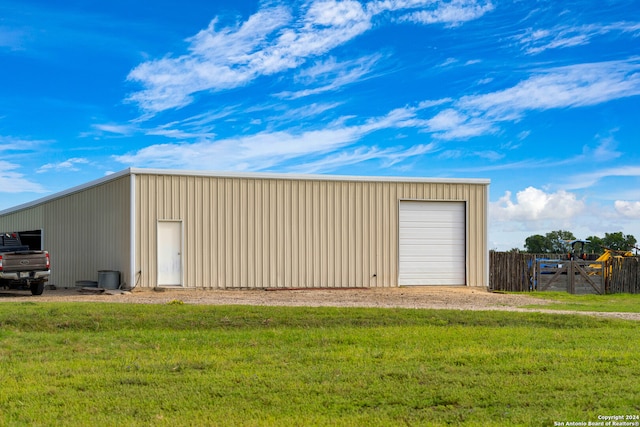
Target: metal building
pixel 231 230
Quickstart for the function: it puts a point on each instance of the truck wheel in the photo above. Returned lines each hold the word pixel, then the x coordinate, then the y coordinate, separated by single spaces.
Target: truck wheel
pixel 37 288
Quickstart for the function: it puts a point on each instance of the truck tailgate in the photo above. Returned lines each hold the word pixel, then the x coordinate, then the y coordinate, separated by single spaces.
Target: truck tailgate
pixel 24 261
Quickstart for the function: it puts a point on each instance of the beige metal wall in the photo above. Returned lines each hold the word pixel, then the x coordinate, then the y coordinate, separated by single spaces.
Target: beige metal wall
pixel 27 219
pixel 260 232
pixel 84 231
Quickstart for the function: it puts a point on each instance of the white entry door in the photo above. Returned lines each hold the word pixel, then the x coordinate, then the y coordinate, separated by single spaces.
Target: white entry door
pixel 169 253
pixel 432 243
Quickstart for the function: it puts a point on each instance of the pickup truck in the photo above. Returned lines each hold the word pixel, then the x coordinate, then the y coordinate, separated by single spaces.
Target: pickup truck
pixel 22 267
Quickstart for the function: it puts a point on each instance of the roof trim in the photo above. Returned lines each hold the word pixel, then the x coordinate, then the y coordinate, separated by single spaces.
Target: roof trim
pixel 249 175
pixel 307 177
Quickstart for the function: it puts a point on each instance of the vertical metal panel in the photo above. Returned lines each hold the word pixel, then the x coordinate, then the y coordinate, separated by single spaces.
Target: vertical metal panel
pixel 262 232
pixel 246 232
pixel 89 231
pixel 84 231
pixel 27 219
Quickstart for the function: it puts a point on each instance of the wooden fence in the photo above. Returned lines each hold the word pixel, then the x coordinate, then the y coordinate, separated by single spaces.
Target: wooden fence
pixel 511 271
pixel 576 277
pixel 516 272
pixel 625 276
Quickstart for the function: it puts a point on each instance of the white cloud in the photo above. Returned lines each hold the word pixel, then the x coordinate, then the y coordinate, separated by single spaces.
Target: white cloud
pixel 331 75
pixel 434 103
pixel 193 127
pixel 489 155
pixel 588 179
pixel 571 86
pixel 446 120
pixel 605 151
pixel 172 130
pixel 533 205
pixel 537 212
pixel 255 152
pixel 67 165
pixel 15 182
pixel 388 156
pixel 628 209
pixel 208 117
pixel 563 87
pixel 273 40
pixel 535 41
pixel 330 13
pixel 469 116
pixel 269 42
pixel 10 143
pixel 453 13
pixel 453 124
pixel 304 112
pixel 117 129
pixel 453 61
pixel 263 150
pixel 449 61
pixel 217 60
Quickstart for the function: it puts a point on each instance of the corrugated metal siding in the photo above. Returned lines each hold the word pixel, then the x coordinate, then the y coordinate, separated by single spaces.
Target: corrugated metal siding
pixel 84 231
pixel 261 232
pixel 27 219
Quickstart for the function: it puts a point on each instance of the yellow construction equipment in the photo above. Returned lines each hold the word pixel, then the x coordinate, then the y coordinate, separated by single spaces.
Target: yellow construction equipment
pixel 577 252
pixel 578 246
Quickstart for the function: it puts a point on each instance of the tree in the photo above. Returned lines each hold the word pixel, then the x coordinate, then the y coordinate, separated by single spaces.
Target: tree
pixel 619 241
pixel 559 241
pixel 536 244
pixel 594 246
pixel 554 242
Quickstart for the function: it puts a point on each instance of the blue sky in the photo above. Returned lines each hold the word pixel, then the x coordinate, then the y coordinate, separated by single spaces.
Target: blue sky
pixel 541 97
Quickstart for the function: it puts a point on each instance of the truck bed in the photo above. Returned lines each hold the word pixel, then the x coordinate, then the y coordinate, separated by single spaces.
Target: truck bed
pixel 24 260
pixel 13 248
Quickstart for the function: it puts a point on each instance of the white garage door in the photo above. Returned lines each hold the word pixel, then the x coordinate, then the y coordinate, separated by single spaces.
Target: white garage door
pixel 432 243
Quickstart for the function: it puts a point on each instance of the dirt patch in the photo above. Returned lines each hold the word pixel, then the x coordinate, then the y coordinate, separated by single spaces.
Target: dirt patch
pixel 452 298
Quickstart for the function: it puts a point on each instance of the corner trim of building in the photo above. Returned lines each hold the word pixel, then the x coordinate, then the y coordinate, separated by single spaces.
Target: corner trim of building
pixel 132 231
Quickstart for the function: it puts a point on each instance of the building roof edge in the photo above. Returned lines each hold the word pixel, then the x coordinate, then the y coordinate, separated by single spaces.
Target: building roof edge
pixel 249 175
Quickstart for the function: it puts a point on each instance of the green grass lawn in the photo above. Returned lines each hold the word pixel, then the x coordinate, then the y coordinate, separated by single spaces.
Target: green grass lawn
pixel 623 303
pixel 126 365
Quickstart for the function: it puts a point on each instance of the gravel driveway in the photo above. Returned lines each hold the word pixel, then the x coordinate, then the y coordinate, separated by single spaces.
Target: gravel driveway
pixel 434 297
